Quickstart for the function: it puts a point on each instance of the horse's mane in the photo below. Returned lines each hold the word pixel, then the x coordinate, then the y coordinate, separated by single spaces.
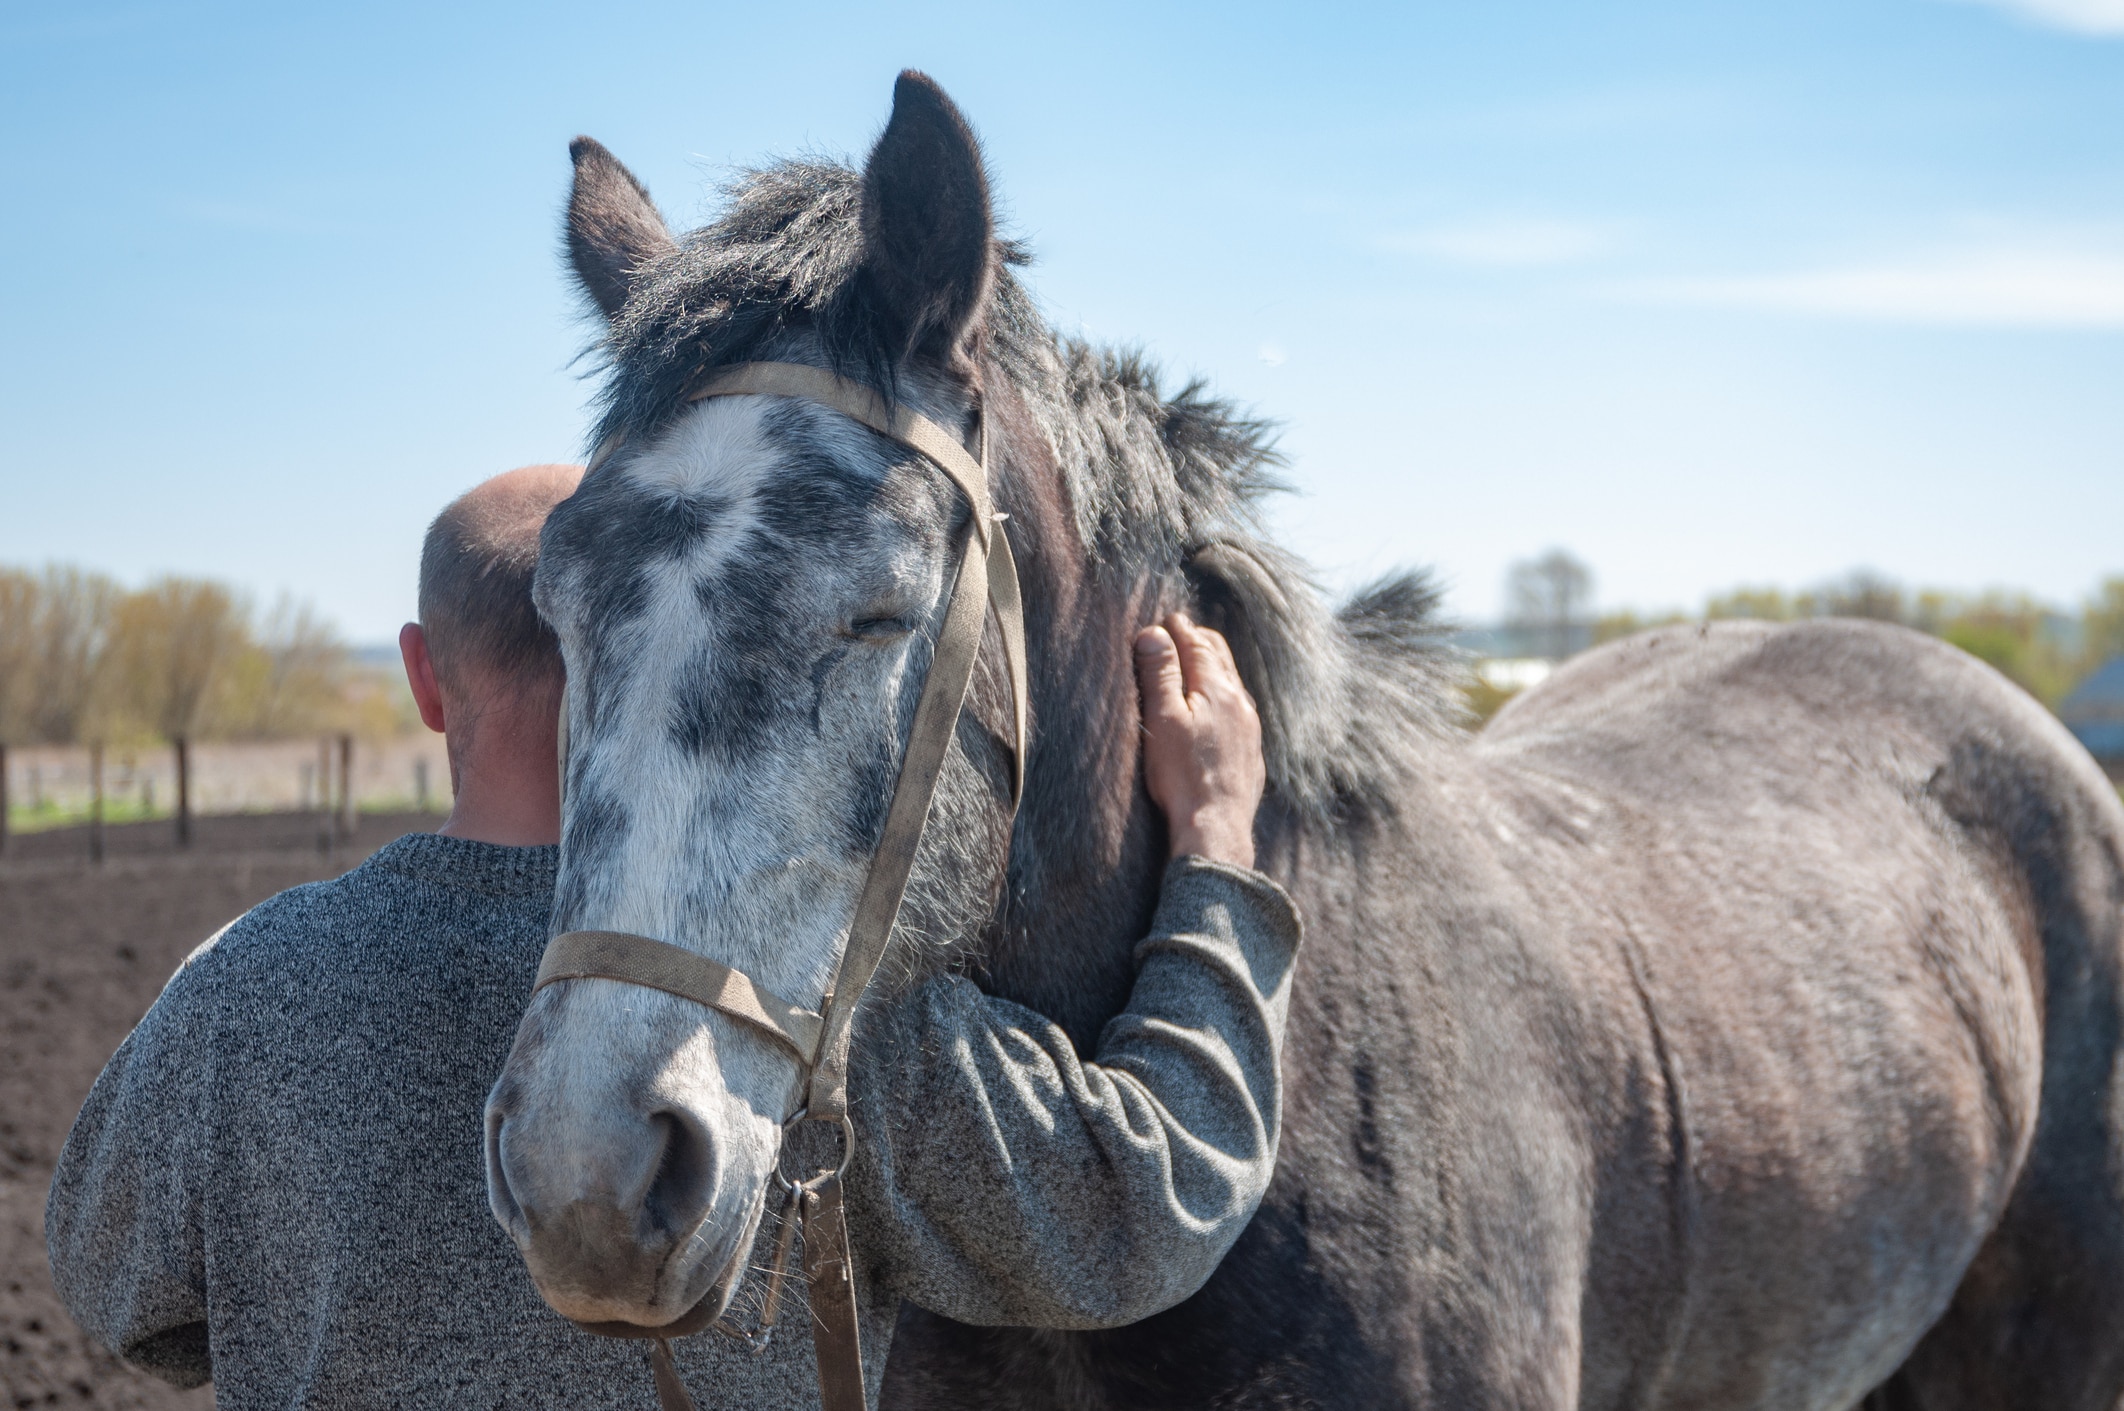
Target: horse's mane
pixel 1160 485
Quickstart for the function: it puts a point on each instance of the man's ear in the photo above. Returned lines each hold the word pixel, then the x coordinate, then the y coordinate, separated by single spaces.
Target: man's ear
pixel 613 227
pixel 420 675
pixel 927 226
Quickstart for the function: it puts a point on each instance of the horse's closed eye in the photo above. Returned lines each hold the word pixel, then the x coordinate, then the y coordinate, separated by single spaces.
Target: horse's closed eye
pixel 880 629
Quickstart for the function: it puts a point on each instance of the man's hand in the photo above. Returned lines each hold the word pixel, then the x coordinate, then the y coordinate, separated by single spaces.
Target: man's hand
pixel 1202 751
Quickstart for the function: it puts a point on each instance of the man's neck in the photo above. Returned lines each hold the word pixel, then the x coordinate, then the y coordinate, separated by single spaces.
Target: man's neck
pixel 513 800
pixel 477 826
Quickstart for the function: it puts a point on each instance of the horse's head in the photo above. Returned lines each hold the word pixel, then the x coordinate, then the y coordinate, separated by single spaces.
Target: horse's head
pixel 747 592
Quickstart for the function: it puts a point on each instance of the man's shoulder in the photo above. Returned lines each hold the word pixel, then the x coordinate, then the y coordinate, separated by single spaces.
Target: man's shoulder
pixel 416 891
pixel 312 916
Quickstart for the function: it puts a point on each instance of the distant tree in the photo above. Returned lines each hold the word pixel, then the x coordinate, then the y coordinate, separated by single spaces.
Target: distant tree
pixel 293 680
pixel 172 643
pixel 2102 625
pixel 2013 633
pixel 1550 599
pixel 19 602
pixel 1761 604
pixel 70 632
pixel 1484 699
pixel 18 621
pixel 1862 593
pixel 1614 626
pixel 82 660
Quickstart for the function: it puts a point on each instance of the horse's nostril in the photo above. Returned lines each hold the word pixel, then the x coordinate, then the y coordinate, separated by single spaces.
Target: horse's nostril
pixel 678 1195
pixel 500 1198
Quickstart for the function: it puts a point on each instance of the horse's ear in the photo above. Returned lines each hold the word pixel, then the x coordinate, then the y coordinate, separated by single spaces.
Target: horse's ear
pixel 613 227
pixel 927 228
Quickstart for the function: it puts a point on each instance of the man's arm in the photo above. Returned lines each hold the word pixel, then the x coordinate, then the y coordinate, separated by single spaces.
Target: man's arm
pixel 1023 1186
pixel 122 1223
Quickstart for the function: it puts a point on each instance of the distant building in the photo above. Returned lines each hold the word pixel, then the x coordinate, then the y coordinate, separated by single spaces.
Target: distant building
pixel 2095 713
pixel 1514 673
pixel 1515 642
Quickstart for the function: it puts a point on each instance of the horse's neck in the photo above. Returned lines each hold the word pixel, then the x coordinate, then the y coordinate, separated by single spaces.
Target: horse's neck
pixel 1088 853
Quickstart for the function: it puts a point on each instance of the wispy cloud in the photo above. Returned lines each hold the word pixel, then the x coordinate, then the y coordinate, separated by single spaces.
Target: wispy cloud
pixel 1998 288
pixel 2079 16
pixel 1508 242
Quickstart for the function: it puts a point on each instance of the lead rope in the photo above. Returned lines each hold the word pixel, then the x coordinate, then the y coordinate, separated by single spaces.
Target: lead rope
pixel 987 577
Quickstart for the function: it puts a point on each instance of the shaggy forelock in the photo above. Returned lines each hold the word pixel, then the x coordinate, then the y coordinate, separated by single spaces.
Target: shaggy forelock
pixel 1158 485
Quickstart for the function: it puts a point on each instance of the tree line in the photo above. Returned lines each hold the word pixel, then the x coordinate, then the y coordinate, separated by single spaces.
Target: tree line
pixel 2046 650
pixel 84 660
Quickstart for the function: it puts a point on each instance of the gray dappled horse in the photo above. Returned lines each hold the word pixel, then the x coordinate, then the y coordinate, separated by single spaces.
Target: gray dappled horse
pixel 1734 1023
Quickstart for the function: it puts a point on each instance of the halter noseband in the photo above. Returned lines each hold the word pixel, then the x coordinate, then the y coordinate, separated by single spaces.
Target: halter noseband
pixel 820 1041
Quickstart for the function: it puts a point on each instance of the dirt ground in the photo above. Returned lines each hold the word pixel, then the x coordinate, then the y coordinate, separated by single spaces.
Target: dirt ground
pixel 83 951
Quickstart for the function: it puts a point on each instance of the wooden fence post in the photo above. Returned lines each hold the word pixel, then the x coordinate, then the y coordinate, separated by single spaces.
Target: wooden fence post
pixel 96 801
pixel 324 795
pixel 184 791
pixel 3 796
pixel 346 786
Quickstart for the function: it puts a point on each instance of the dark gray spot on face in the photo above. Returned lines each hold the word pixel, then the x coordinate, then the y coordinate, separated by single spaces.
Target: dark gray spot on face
pixel 624 531
pixel 596 825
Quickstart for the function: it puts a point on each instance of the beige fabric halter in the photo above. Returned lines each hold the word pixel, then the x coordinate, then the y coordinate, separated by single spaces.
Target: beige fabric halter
pixel 820 1041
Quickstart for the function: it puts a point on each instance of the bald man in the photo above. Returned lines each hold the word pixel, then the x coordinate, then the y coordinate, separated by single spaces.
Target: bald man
pixel 485 671
pixel 277 1183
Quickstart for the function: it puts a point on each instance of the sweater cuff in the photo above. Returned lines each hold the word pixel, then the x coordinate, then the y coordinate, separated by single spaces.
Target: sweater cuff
pixel 1215 898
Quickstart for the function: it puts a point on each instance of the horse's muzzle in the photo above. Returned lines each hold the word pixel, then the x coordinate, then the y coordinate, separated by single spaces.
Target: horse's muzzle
pixel 617 1227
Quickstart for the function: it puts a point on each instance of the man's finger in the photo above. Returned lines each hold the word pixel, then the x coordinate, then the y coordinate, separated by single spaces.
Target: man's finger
pixel 1198 654
pixel 1223 645
pixel 1159 677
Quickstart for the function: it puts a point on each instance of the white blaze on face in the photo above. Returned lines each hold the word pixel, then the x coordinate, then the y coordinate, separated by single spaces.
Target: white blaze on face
pixel 743 855
pixel 757 837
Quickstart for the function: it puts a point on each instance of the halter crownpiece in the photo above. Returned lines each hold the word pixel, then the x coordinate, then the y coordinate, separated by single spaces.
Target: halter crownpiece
pixel 986 571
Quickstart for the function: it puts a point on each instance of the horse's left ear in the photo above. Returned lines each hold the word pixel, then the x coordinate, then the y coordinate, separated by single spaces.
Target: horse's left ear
pixel 613 226
pixel 928 232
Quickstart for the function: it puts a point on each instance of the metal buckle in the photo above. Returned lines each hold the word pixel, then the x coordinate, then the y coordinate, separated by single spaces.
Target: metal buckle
pixel 848 1144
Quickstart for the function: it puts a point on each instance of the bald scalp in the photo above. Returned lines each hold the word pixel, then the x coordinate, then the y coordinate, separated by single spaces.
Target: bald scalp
pixel 475 581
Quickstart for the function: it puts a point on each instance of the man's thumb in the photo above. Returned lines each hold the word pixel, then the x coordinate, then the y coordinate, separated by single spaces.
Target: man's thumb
pixel 1158 675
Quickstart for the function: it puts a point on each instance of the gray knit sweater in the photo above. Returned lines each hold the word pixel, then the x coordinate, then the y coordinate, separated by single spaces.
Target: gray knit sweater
pixel 277 1182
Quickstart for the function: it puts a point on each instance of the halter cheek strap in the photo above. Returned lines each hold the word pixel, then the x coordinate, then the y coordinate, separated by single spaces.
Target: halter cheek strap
pixel 987 579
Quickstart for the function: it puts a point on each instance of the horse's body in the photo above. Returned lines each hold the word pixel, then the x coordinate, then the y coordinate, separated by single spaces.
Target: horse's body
pixel 1739 1006
pixel 1680 1042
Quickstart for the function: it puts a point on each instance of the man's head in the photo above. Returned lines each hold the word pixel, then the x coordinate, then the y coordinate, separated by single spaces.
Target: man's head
pixel 484 669
pixel 475 585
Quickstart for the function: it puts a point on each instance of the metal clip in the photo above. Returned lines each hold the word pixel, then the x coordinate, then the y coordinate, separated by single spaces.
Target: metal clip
pixel 795 1194
pixel 757 1339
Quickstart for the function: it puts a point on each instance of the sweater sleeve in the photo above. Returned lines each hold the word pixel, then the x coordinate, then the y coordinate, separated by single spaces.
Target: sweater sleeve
pixel 122 1224
pixel 1013 1184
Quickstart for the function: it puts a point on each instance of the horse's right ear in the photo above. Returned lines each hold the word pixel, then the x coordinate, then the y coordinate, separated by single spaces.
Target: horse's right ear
pixel 927 227
pixel 613 227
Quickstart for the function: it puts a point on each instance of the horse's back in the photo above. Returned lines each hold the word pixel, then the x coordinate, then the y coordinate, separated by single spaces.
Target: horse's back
pixel 1875 891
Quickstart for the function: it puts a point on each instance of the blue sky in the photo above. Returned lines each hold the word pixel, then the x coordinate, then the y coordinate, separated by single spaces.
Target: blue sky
pixel 1709 293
